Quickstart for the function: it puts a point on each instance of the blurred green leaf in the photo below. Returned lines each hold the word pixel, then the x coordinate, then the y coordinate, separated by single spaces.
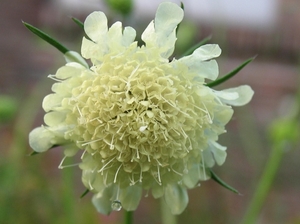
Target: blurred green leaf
pixel 221 182
pixel 121 6
pixel 46 38
pixel 284 129
pixel 8 108
pixel 230 74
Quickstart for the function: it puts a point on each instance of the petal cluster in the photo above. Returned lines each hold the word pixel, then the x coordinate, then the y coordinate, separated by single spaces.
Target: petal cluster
pixel 139 120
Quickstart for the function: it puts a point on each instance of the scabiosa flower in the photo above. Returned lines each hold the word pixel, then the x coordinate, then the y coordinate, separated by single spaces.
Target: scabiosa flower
pixel 139 120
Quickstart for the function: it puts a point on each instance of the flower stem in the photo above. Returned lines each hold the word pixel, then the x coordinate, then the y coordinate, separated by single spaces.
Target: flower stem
pixel 128 219
pixel 264 184
pixel 166 216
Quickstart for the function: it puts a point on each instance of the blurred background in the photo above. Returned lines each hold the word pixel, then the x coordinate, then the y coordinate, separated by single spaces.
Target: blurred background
pixel 33 190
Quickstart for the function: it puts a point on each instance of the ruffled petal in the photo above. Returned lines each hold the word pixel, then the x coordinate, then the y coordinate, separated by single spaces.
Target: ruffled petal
pixel 237 96
pixel 161 33
pixel 176 198
pixel 197 62
pixel 207 52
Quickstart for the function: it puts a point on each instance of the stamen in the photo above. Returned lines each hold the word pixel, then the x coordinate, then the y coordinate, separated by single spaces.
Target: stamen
pixel 81 157
pixel 91 187
pixel 180 174
pixel 175 107
pixel 53 77
pixel 183 132
pixel 60 166
pixel 141 176
pixel 106 165
pixel 120 128
pixel 158 175
pixel 115 179
pixel 87 143
pixel 209 117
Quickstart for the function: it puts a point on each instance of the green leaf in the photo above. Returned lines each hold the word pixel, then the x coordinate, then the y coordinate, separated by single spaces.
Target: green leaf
pixel 85 193
pixel 78 22
pixel 202 42
pixel 46 38
pixel 222 183
pixel 230 74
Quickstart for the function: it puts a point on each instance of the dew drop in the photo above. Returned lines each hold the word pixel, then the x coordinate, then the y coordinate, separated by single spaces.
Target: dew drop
pixel 116 205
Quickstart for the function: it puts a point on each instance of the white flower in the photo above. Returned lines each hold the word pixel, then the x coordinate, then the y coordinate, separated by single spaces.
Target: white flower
pixel 140 121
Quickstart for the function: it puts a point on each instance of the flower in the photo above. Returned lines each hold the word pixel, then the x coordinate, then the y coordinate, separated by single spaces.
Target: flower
pixel 140 121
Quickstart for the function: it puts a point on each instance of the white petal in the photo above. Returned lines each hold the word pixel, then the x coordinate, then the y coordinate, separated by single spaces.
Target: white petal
pixel 245 94
pixel 176 198
pixel 102 200
pixel 157 191
pixel 162 33
pixel 130 197
pixel 207 52
pixel 218 151
pixel 95 26
pixel 91 50
pixel 51 101
pixel 42 139
pixel 197 62
pixel 114 36
pixel 54 118
pixel 192 177
pixel 69 70
pixel 128 36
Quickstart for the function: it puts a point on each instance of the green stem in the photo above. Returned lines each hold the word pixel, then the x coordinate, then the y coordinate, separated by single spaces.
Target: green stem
pixel 264 184
pixel 166 216
pixel 128 217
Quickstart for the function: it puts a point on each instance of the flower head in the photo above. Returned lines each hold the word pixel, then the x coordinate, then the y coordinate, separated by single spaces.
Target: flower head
pixel 139 120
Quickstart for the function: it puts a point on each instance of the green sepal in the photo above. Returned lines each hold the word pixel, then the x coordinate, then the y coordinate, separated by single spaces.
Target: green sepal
pixel 85 193
pixel 78 22
pixel 46 38
pixel 33 153
pixel 191 50
pixel 230 74
pixel 221 182
pixel 81 25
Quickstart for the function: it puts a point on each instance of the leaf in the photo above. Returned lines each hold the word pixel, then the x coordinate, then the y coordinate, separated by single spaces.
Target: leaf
pixel 78 22
pixel 222 183
pixel 230 74
pixel 202 42
pixel 85 193
pixel 46 38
